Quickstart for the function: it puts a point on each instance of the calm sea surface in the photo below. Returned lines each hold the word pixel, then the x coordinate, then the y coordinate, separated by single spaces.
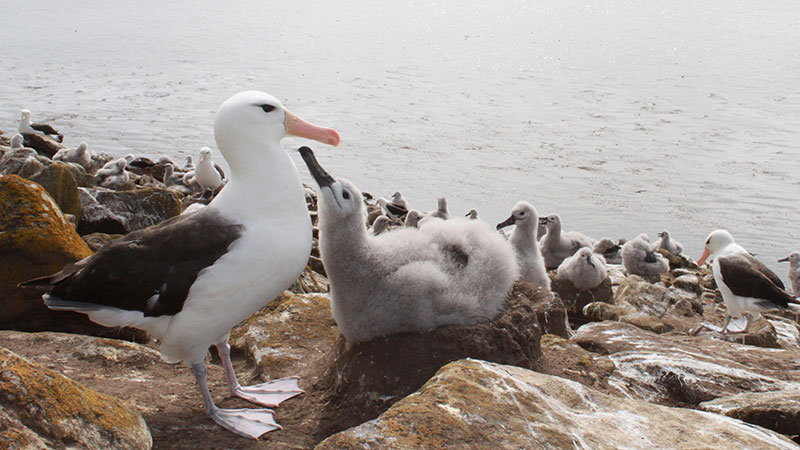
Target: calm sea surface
pixel 622 116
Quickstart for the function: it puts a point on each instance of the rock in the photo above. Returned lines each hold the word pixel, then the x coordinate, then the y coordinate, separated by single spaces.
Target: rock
pixel 49 410
pixel 761 334
pixel 43 145
pixel 35 240
pixel 598 311
pixel 776 410
pixel 575 299
pixel 269 338
pixel 120 212
pixel 684 370
pixel 642 295
pixel 96 241
pixel 549 309
pixel 24 162
pixel 787 332
pixel 566 359
pixel 476 404
pixel 363 379
pixel 689 283
pixel 59 181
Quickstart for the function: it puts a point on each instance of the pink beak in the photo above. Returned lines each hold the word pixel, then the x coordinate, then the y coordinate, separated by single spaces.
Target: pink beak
pixel 703 257
pixel 299 127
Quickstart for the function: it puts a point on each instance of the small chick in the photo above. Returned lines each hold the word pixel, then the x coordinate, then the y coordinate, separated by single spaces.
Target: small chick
pixel 668 244
pixel 412 218
pixel 380 225
pixel 80 155
pixel 794 271
pixel 585 269
pixel 639 259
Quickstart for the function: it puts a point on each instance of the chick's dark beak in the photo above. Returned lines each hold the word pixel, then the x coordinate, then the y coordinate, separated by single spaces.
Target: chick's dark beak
pixel 322 177
pixel 510 221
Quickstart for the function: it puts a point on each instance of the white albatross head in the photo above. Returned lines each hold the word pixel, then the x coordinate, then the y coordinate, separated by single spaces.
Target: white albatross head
pixel 715 242
pixel 793 259
pixel 523 214
pixel 251 122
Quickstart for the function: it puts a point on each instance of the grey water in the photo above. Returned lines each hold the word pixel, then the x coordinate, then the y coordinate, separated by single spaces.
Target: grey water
pixel 621 116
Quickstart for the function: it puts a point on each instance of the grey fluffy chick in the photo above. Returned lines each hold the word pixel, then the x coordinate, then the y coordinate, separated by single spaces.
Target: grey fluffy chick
pixel 412 219
pixel 450 272
pixel 639 259
pixel 80 155
pixel 668 244
pixel 585 269
pixel 794 271
pixel 610 249
pixel 441 211
pixel 524 239
pixel 380 225
pixel 557 245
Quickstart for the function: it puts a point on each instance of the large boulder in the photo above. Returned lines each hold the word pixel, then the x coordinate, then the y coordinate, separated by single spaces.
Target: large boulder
pixel 59 181
pixel 575 299
pixel 476 404
pixel 40 408
pixel 362 379
pixel 684 370
pixel 35 240
pixel 120 212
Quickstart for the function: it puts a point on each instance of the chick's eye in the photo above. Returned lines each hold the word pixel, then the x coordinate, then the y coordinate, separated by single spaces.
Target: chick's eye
pixel 345 195
pixel 267 108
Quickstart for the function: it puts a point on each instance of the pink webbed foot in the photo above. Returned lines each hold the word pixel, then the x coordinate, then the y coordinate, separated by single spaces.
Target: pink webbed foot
pixel 270 394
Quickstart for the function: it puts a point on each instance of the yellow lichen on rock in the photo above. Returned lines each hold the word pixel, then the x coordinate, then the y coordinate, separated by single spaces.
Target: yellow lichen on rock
pixel 61 410
pixel 35 240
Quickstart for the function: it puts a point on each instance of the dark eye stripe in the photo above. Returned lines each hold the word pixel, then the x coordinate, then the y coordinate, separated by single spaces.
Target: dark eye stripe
pixel 267 107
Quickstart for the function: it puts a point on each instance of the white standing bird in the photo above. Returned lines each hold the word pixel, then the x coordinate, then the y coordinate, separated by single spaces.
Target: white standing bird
pixel 748 286
pixel 667 243
pixel 526 244
pixel 41 129
pixel 794 271
pixel 585 269
pixel 448 272
pixel 190 279
pixel 206 174
pixel 558 245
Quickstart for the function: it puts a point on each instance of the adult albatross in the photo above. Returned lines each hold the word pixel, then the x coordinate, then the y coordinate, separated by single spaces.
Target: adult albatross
pixel 746 284
pixel 190 279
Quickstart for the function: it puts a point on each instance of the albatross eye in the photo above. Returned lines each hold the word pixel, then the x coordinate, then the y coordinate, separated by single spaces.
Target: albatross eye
pixel 345 195
pixel 267 107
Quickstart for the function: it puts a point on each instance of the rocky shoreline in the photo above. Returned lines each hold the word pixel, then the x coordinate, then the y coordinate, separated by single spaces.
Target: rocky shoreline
pixel 621 365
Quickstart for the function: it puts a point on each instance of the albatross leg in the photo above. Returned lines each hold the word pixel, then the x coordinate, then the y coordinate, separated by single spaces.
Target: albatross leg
pixel 250 423
pixel 725 327
pixel 270 394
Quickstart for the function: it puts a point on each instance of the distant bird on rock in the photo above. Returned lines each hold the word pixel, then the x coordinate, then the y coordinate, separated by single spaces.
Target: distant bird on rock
pixel 526 244
pixel 396 208
pixel 79 155
pixel 639 258
pixel 441 211
pixel 472 214
pixel 794 271
pixel 113 175
pixel 206 173
pixel 171 177
pixel 412 218
pixel 610 249
pixel 585 269
pixel 16 141
pixel 558 245
pixel 40 129
pixel 188 165
pixel 380 225
pixel 668 244
pixel 748 286
pixel 447 272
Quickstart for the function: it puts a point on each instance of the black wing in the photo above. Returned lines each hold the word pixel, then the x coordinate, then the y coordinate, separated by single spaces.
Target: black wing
pixel 749 277
pixel 48 130
pixel 159 264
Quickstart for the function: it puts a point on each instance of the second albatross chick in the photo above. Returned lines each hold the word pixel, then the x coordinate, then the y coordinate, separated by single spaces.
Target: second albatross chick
pixel 794 271
pixel 585 269
pixel 448 272
pixel 558 245
pixel 526 244
pixel 190 279
pixel 639 258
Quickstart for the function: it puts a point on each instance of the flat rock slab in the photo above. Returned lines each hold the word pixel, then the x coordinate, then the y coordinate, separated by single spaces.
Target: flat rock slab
pixel 685 370
pixel 476 404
